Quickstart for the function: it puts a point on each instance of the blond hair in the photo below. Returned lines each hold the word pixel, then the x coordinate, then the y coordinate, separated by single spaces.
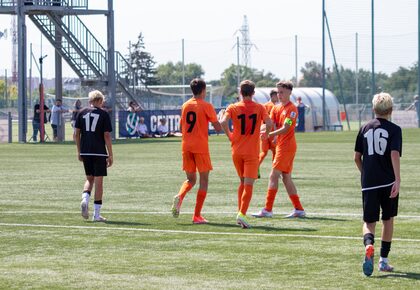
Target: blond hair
pixel 96 96
pixel 382 104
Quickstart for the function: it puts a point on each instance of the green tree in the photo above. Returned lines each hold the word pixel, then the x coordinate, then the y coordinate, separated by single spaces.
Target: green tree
pixel 229 79
pixel 171 74
pixel 143 63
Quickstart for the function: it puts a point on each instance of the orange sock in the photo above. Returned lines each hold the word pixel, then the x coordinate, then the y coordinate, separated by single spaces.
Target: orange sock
pixel 246 198
pixel 186 186
pixel 294 198
pixel 201 196
pixel 269 200
pixel 262 156
pixel 240 192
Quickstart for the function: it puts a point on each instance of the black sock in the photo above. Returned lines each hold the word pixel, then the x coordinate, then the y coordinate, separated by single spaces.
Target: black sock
pixel 385 248
pixel 98 201
pixel 368 239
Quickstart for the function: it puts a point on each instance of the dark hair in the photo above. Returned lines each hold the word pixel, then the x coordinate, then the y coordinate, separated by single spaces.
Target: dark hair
pixel 285 84
pixel 247 88
pixel 197 86
pixel 273 92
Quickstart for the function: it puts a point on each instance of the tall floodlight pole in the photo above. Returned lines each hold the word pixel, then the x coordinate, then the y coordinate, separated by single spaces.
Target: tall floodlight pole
pixel 238 70
pixel 183 69
pixel 418 49
pixel 372 90
pixel 22 98
pixel 357 68
pixel 112 90
pixel 296 60
pixel 323 66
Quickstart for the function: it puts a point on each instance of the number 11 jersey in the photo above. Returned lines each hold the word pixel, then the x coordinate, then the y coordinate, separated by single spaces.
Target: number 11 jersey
pixel 93 123
pixel 375 142
pixel 195 117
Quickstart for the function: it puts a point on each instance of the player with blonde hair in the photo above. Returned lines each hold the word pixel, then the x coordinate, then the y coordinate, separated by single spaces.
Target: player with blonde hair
pixel 92 135
pixel 377 156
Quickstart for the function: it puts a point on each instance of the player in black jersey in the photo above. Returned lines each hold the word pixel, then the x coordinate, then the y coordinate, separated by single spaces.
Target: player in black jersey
pixel 94 148
pixel 377 155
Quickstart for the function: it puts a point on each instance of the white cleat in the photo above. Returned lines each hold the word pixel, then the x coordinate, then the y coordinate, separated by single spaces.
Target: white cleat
pixel 297 214
pixel 263 214
pixel 99 219
pixel 84 207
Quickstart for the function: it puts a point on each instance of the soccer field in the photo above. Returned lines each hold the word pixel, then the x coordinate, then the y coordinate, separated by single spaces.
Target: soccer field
pixel 46 244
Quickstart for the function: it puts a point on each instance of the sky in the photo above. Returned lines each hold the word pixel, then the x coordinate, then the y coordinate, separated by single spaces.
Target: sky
pixel 210 29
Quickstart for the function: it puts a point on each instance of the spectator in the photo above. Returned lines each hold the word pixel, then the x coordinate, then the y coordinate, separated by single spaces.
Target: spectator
pixel 142 130
pixel 76 109
pixel 133 107
pixel 36 120
pixel 163 130
pixel 416 106
pixel 302 109
pixel 57 117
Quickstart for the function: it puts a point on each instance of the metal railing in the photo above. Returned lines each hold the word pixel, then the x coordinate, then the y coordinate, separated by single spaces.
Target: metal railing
pixel 60 3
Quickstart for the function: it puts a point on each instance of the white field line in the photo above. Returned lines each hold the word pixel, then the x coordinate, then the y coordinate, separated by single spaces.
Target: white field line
pixel 247 234
pixel 277 214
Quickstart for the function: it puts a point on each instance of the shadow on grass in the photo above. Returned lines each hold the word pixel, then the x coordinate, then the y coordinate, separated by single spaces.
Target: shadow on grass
pixel 123 223
pixel 262 228
pixel 325 219
pixel 395 274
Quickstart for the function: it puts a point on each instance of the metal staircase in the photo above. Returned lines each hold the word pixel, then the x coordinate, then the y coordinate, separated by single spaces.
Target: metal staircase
pixel 85 54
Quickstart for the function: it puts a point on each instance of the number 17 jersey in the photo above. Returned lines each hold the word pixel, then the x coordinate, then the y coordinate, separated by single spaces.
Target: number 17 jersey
pixel 93 123
pixel 375 142
pixel 195 117
pixel 246 117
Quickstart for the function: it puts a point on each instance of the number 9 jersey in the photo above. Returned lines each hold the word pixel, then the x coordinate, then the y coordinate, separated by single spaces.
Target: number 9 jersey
pixel 195 117
pixel 93 123
pixel 375 142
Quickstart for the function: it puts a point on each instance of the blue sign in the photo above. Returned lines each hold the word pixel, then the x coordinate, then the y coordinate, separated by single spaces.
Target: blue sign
pixel 128 121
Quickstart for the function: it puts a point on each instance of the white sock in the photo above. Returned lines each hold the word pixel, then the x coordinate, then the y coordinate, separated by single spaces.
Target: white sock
pixel 385 260
pixel 97 210
pixel 86 196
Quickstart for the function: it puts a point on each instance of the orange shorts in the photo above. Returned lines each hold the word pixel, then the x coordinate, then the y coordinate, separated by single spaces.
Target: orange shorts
pixel 192 162
pixel 268 144
pixel 246 165
pixel 284 160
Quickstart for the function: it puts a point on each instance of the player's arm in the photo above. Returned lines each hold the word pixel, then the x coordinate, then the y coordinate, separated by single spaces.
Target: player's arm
pixel 108 143
pixel 395 159
pixel 283 129
pixel 224 123
pixel 268 127
pixel 217 126
pixel 77 140
pixel 358 160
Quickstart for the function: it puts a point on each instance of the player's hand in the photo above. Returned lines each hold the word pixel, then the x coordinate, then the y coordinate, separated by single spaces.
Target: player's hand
pixel 109 161
pixel 80 157
pixel 220 114
pixel 395 189
pixel 263 135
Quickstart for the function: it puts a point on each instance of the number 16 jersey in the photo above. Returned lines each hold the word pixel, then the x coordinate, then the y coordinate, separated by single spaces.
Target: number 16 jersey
pixel 195 117
pixel 93 123
pixel 375 142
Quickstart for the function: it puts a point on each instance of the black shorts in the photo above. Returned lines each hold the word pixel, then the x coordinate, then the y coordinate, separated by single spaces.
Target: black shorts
pixel 376 199
pixel 94 165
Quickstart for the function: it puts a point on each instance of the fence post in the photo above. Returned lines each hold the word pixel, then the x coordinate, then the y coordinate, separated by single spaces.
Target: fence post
pixel 9 115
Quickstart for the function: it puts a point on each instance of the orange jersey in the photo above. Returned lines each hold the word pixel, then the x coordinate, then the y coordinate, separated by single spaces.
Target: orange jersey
pixel 195 117
pixel 269 106
pixel 246 119
pixel 285 114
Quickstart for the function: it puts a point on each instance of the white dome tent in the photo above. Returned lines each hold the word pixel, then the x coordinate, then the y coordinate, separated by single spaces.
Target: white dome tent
pixel 313 98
